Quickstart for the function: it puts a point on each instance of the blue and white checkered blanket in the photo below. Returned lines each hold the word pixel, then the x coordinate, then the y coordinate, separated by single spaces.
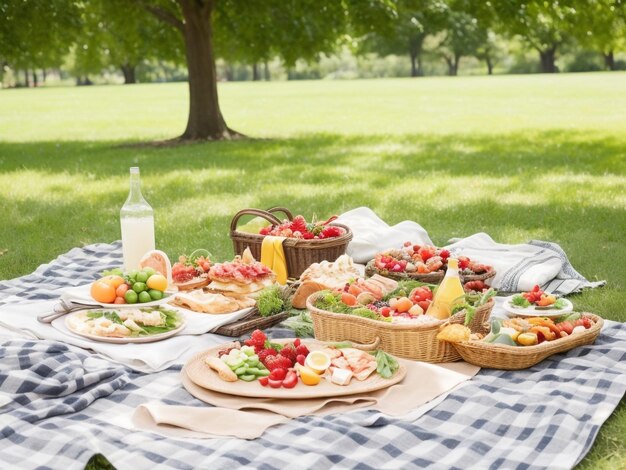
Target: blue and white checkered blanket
pixel 60 402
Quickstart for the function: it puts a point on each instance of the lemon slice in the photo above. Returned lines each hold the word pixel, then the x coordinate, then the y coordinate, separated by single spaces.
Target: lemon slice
pixel 319 361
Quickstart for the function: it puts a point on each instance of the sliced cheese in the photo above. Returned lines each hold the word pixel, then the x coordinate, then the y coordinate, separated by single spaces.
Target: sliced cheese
pixel 341 376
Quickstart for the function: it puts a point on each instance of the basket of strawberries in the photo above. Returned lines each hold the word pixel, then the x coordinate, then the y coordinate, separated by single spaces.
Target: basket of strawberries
pixel 305 242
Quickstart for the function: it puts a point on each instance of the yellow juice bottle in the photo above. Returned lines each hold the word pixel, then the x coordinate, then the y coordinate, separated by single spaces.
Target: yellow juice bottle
pixel 449 293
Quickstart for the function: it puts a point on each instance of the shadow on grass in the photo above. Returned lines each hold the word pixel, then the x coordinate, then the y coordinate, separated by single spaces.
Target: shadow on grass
pixel 578 152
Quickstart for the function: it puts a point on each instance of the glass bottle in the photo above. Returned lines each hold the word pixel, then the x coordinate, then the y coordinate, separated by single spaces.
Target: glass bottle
pixel 137 224
pixel 449 293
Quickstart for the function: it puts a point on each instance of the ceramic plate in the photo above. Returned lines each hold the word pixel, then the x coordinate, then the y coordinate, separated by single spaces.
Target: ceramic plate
pixel 73 320
pixel 534 311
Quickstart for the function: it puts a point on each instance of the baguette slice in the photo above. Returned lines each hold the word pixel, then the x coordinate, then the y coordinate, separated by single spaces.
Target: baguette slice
pixel 221 368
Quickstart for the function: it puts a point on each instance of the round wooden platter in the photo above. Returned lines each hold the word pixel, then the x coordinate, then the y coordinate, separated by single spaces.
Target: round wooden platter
pixel 200 374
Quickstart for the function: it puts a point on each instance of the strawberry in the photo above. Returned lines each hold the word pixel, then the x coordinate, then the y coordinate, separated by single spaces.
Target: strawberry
pixel 297 341
pixel 302 350
pixel 464 262
pixel 289 352
pixel 298 224
pixel 332 232
pixel 257 338
pixel 307 235
pixel 300 359
pixel 263 381
pixel 445 254
pixel 277 362
pixel 278 374
pixel 275 383
pixel 266 352
pixel 291 379
pixel 265 230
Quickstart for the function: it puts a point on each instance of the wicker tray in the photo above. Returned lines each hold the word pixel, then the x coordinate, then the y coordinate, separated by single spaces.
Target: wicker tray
pixel 417 342
pixel 431 278
pixel 251 321
pixel 300 254
pixel 501 356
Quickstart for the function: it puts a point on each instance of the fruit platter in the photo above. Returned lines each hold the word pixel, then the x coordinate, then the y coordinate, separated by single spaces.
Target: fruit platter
pixel 521 342
pixel 426 263
pixel 126 325
pixel 292 369
pixel 537 303
pixel 145 287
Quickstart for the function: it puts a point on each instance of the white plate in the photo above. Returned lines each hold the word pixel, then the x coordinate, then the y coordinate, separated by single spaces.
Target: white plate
pixel 82 295
pixel 106 339
pixel 534 312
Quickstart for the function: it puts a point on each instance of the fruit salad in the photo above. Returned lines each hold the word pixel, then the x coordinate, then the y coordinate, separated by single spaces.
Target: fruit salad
pixel 538 299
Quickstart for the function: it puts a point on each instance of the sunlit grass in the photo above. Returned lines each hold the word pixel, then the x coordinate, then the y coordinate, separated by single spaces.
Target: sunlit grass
pixel 517 157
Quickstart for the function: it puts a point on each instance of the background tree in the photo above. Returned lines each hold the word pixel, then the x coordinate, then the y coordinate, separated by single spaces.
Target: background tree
pixel 111 35
pixel 37 35
pixel 601 26
pixel 294 28
pixel 543 25
pixel 463 37
pixel 416 20
pixel 491 50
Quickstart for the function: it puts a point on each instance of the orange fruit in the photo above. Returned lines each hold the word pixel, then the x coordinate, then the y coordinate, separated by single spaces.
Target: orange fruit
pixel 157 281
pixel 103 292
pixel 113 280
pixel 121 290
pixel 119 300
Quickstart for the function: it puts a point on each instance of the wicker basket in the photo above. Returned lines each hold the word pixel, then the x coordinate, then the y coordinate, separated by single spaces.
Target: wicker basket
pixel 431 278
pixel 299 253
pixel 501 356
pixel 418 342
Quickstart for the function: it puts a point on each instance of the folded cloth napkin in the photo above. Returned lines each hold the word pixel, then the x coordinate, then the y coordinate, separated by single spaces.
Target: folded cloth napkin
pixel 145 357
pixel 248 418
pixel 371 234
pixel 273 256
pixel 520 267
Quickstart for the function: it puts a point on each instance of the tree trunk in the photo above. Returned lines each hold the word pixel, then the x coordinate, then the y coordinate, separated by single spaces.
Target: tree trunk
pixel 229 73
pixel 26 78
pixel 457 61
pixel 489 65
pixel 548 58
pixel 43 75
pixel 205 119
pixel 413 65
pixel 129 73
pixel 35 78
pixel 255 73
pixel 609 60
pixel 267 71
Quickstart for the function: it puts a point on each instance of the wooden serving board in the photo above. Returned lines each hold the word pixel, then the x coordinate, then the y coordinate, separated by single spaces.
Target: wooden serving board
pixel 250 322
pixel 200 374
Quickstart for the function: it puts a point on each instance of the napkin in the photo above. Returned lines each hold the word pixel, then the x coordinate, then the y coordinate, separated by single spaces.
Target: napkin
pixel 371 234
pixel 273 256
pixel 145 357
pixel 520 267
pixel 248 418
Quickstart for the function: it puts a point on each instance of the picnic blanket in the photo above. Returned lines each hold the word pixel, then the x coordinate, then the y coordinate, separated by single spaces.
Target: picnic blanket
pixel 518 267
pixel 61 405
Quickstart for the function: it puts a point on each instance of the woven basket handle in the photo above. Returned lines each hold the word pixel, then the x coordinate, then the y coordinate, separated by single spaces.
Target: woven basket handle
pixel 367 347
pixel 284 210
pixel 267 215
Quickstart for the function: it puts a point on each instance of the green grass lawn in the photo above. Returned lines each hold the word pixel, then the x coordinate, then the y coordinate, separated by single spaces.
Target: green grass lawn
pixel 519 157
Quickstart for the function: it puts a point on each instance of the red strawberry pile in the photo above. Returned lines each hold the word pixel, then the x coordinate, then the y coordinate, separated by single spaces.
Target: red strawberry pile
pixel 280 359
pixel 299 228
